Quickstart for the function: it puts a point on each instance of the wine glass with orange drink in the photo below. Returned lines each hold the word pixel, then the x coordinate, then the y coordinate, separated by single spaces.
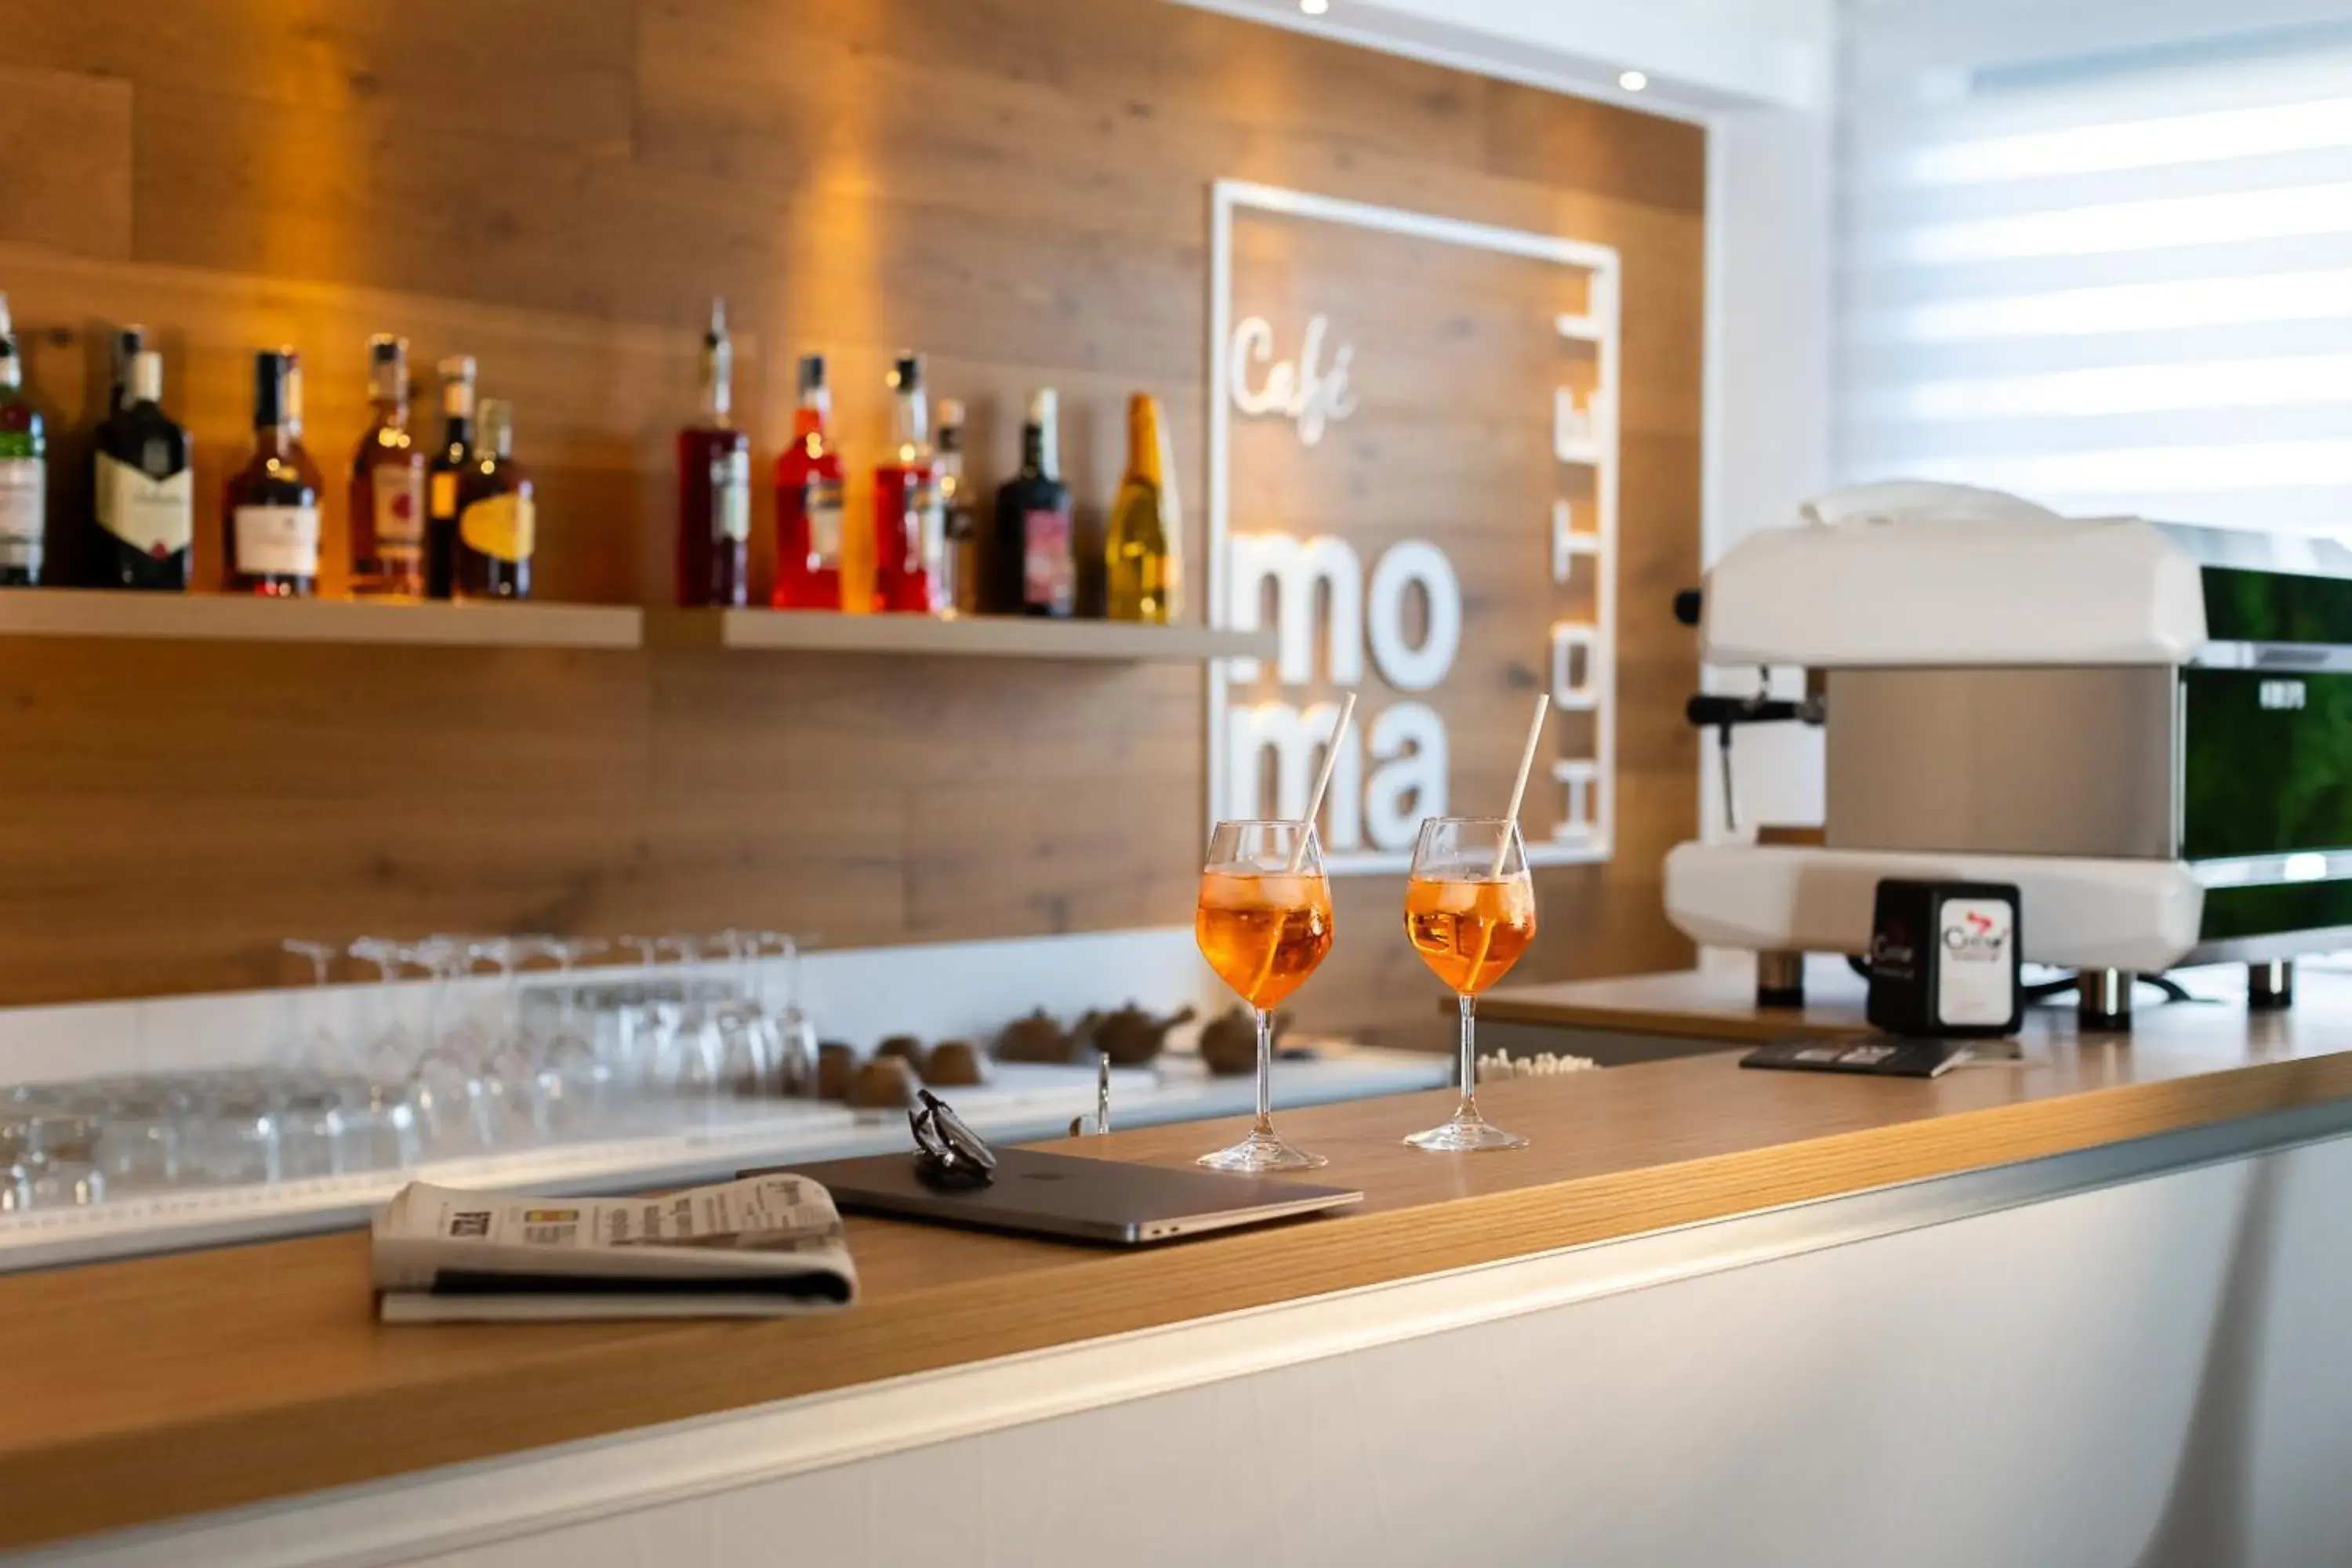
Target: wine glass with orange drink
pixel 1470 912
pixel 1264 922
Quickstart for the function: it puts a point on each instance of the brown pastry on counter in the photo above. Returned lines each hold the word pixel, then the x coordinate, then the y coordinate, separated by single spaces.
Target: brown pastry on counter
pixel 1229 1044
pixel 1035 1039
pixel 954 1064
pixel 905 1048
pixel 836 1064
pixel 885 1083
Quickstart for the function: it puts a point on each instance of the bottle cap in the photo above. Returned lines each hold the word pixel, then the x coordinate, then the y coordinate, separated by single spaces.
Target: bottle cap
pixel 5 328
pixel 1043 405
pixel 812 372
pixel 907 371
pixel 951 411
pixel 127 341
pixel 718 333
pixel 384 347
pixel 146 377
pixel 456 367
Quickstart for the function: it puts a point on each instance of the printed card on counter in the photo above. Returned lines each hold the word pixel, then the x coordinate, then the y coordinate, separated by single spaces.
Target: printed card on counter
pixel 764 1247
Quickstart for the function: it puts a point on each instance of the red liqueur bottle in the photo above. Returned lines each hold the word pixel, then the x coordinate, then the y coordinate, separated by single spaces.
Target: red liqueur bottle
pixel 714 485
pixel 909 524
pixel 808 502
pixel 270 506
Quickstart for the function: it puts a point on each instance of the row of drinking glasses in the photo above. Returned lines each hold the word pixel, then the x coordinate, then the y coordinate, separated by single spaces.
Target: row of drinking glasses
pixel 67 1145
pixel 689 1037
pixel 557 1057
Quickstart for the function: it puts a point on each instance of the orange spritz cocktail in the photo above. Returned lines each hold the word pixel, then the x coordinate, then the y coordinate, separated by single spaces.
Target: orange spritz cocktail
pixel 1471 931
pixel 1262 932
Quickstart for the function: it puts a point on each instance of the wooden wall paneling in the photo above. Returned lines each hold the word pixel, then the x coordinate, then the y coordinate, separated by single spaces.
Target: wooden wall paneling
pixel 77 194
pixel 1016 187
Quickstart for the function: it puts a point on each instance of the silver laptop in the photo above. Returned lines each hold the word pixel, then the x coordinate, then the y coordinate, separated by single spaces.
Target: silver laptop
pixel 1042 1193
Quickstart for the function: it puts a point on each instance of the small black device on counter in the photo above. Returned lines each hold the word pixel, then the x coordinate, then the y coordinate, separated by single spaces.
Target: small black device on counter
pixel 1944 959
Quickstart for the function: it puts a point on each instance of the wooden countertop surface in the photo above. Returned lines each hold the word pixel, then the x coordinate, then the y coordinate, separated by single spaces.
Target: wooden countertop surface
pixel 1718 1001
pixel 139 1390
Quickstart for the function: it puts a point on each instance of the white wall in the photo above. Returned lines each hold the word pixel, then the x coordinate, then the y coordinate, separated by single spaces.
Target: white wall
pixel 2101 254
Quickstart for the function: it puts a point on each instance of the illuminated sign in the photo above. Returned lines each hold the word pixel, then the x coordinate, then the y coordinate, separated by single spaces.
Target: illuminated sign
pixel 1382 610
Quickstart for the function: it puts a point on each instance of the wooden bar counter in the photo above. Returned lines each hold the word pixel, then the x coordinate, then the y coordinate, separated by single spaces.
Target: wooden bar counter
pixel 142 1391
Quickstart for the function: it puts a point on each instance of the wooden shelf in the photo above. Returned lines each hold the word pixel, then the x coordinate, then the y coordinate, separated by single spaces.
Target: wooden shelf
pixel 980 636
pixel 215 617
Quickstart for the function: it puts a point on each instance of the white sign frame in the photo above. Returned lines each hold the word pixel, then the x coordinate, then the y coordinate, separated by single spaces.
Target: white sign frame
pixel 1586 437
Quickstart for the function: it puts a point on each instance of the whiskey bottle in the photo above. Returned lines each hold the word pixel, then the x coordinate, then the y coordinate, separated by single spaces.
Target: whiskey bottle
pixel 443 472
pixel 908 526
pixel 145 493
pixel 958 588
pixel 808 502
pixel 270 507
pixel 1032 570
pixel 1142 549
pixel 388 486
pixel 714 485
pixel 496 514
pixel 23 468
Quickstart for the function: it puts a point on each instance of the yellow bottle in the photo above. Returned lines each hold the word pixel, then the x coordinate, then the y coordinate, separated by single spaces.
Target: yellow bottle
pixel 1144 544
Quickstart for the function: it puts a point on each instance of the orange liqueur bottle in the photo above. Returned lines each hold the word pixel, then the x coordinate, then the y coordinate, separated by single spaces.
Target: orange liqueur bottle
pixel 387 493
pixel 808 502
pixel 270 507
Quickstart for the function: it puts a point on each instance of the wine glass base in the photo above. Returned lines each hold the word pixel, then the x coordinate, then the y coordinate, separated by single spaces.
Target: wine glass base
pixel 1262 1152
pixel 1466 1135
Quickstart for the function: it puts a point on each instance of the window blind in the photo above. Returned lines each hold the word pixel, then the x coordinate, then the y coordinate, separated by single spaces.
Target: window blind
pixel 2100 253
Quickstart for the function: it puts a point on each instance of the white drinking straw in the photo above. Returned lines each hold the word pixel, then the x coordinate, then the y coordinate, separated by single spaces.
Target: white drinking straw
pixel 1323 781
pixel 1519 789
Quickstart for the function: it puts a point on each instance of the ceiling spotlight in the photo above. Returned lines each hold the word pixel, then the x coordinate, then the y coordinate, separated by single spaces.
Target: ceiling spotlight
pixel 1315 7
pixel 1632 81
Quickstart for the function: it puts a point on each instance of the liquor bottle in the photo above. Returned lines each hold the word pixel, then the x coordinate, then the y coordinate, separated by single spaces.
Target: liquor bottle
pixel 808 502
pixel 387 491
pixel 144 494
pixel 270 506
pixel 496 514
pixel 958 587
pixel 23 468
pixel 442 473
pixel 909 534
pixel 714 485
pixel 1142 549
pixel 1030 568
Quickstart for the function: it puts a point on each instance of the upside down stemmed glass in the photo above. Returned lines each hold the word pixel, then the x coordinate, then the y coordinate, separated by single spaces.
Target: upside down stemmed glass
pixel 1469 911
pixel 1264 922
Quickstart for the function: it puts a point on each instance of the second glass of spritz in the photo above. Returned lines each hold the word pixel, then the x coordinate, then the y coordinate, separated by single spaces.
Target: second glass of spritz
pixel 1470 912
pixel 1264 923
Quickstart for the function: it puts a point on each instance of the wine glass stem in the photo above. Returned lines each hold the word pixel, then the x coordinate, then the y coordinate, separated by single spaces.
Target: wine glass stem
pixel 1264 1128
pixel 1469 1109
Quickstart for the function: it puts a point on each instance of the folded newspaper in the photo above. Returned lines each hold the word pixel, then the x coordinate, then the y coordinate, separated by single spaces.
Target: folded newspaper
pixel 765 1246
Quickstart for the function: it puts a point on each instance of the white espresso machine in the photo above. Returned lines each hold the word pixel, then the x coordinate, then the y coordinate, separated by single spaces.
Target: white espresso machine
pixel 2146 727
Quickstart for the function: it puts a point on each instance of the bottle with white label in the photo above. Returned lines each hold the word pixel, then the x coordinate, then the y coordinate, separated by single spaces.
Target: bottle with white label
pixel 387 487
pixel 498 521
pixel 24 469
pixel 270 509
pixel 145 491
pixel 808 502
